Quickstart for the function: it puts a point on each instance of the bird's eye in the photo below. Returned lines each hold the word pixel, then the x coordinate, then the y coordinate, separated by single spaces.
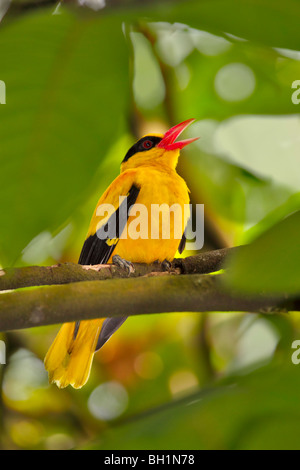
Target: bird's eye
pixel 147 144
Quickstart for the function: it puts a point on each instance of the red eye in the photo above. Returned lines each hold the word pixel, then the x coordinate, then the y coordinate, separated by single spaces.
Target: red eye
pixel 147 144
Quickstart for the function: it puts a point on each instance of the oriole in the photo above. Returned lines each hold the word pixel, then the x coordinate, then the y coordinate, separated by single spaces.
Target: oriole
pixel 148 176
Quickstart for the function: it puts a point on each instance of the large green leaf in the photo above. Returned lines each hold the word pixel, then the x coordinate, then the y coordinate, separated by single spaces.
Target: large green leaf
pixel 270 22
pixel 256 411
pixel 271 264
pixel 274 23
pixel 67 89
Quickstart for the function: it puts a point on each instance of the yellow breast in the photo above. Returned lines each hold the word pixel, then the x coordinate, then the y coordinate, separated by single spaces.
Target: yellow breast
pixel 157 220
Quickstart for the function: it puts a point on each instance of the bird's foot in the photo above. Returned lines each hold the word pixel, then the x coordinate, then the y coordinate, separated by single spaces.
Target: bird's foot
pixel 122 263
pixel 166 265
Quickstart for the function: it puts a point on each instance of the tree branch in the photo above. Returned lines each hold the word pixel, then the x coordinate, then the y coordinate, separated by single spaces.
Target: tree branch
pixel 14 278
pixel 116 297
pixel 60 295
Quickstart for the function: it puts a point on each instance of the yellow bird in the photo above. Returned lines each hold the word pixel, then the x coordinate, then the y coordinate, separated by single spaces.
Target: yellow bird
pixel 148 179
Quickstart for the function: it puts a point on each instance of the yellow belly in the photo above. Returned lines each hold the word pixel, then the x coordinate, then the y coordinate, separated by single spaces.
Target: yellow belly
pixel 159 232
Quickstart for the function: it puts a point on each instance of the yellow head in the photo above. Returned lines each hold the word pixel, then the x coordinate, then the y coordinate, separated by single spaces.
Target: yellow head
pixel 157 149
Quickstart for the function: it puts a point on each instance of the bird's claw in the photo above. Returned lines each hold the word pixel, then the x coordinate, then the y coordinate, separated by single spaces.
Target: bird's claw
pixel 122 263
pixel 166 265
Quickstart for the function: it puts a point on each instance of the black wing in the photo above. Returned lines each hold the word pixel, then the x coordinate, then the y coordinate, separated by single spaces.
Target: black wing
pixel 109 327
pixel 182 243
pixel 96 248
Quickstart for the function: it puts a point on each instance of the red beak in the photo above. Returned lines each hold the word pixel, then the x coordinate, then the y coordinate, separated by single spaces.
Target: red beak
pixel 168 141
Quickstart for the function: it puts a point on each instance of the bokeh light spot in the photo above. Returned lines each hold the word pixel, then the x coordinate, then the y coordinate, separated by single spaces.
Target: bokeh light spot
pixel 235 82
pixel 24 374
pixel 148 84
pixel 26 433
pixel 257 343
pixel 183 76
pixel 59 441
pixel 148 365
pixel 182 381
pixel 108 401
pixel 174 45
pixel 209 44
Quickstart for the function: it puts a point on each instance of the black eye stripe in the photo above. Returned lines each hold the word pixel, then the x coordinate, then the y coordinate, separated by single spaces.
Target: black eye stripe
pixel 139 146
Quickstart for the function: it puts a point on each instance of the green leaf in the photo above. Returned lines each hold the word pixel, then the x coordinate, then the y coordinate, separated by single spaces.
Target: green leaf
pixel 67 91
pixel 270 22
pixel 271 264
pixel 245 412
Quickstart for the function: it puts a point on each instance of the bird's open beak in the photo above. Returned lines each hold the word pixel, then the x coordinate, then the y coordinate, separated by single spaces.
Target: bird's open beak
pixel 168 141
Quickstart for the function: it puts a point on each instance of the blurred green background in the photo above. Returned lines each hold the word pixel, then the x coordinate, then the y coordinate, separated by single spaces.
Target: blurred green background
pixel 83 81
